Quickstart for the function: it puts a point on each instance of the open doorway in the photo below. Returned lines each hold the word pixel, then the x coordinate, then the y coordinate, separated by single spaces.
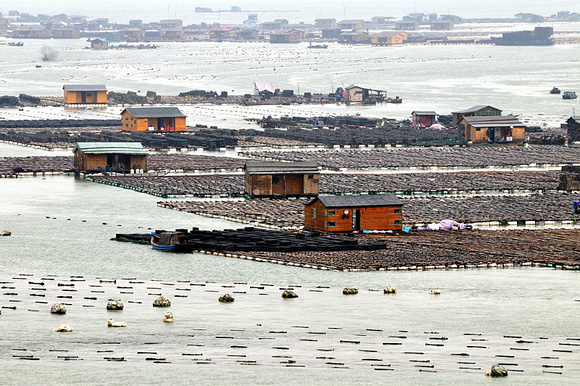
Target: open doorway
pixel 356 220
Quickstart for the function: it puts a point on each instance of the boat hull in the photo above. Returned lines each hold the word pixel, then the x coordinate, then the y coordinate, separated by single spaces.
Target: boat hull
pixel 177 248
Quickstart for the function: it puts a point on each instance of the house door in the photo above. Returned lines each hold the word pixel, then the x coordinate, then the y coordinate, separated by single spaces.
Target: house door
pixel 83 97
pixel 356 220
pixel 491 134
pixel 159 123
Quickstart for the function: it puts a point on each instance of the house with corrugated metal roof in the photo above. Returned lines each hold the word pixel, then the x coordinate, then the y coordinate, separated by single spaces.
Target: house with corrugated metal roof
pixel 354 213
pixel 492 129
pixel 85 94
pixel 152 119
pixel 479 110
pixel 281 179
pixel 120 157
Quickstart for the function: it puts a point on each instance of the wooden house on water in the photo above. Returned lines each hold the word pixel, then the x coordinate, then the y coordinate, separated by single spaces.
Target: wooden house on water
pixel 152 119
pixel 354 213
pixel 424 118
pixel 98 44
pixel 492 129
pixel 351 24
pixel 480 110
pixel 442 25
pixel 411 25
pixel 281 179
pixel 388 38
pixel 356 94
pixel 120 157
pixel 85 94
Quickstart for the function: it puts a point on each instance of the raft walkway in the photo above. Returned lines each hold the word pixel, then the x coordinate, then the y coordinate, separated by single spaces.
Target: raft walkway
pixel 414 184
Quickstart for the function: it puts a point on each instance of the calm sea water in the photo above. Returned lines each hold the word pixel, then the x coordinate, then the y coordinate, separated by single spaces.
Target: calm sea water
pixel 62 226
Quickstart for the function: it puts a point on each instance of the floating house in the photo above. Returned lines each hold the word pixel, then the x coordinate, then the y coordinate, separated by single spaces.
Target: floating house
pixel 32 32
pixel 171 23
pixel 281 179
pixel 85 94
pixel 442 25
pixel 357 94
pixel 351 24
pixel 353 37
pixel 424 118
pixel 480 110
pixel 570 178
pixel 286 37
pixel 573 128
pixel 131 34
pixel 325 23
pixel 65 33
pixel 247 34
pixel 493 129
pixel 152 119
pixel 354 213
pixel 98 44
pixel 222 33
pixel 388 38
pixel 330 33
pixel 120 157
pixel 411 25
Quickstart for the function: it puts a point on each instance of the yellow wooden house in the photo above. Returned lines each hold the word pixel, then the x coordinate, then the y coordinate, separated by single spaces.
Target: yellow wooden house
pixel 388 38
pixel 85 94
pixel 153 119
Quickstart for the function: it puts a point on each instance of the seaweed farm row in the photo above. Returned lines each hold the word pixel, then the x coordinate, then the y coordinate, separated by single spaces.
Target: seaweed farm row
pixel 544 208
pixel 10 166
pixel 462 249
pixel 408 159
pixel 233 185
pixel 356 135
pixel 400 157
pixel 203 333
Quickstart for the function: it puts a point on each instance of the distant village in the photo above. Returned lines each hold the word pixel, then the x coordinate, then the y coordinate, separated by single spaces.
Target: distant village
pixel 380 30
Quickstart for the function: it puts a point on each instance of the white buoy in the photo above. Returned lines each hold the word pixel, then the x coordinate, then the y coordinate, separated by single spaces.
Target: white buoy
pixel 112 323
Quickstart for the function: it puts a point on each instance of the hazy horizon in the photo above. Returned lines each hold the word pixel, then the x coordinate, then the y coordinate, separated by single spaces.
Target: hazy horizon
pixel 147 10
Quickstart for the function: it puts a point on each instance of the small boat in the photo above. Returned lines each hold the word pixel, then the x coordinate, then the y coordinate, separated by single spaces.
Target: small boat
pixel 555 90
pixel 569 95
pixel 171 241
pixel 320 46
pixel 15 44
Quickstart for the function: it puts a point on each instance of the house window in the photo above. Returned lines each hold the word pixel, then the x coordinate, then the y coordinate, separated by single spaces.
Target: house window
pixel 313 212
pixel 398 210
pixel 89 94
pixel 311 176
pixel 478 129
pixel 275 180
pixel 331 213
pixel 398 222
pixel 330 224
